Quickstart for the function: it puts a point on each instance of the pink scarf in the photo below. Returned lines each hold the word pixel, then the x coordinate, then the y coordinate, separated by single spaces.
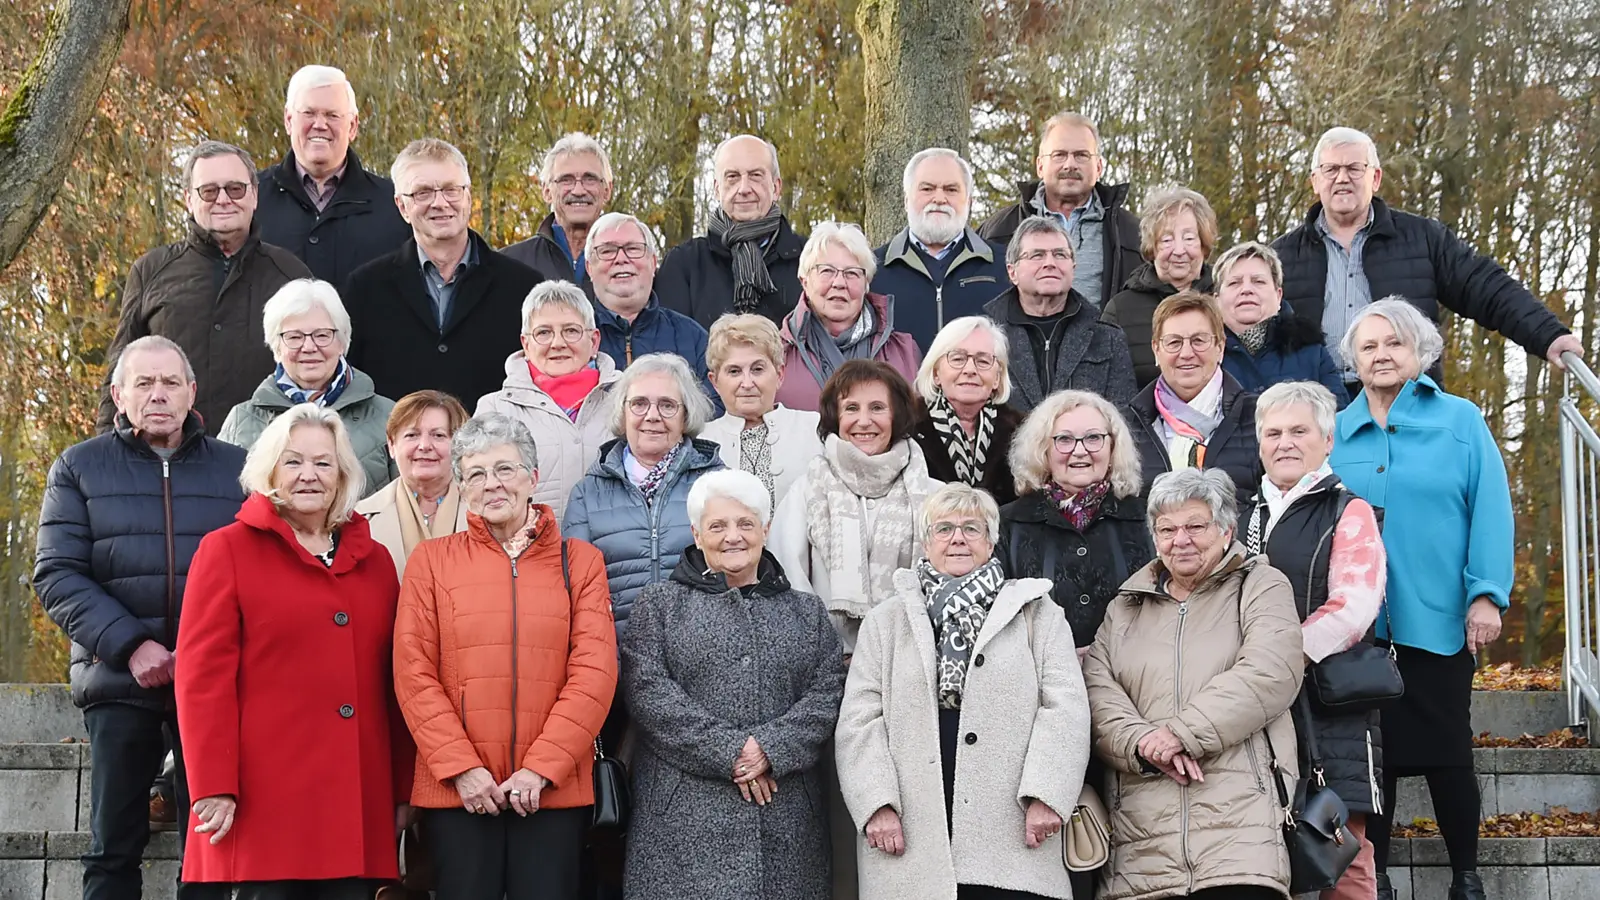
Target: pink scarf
pixel 568 391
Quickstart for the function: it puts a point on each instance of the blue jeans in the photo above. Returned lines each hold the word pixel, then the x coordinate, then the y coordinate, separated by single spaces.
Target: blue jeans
pixel 126 747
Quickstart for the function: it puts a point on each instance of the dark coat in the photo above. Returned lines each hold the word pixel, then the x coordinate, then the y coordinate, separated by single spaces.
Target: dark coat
pixel 397 339
pixel 703 668
pixel 996 477
pixel 928 292
pixel 1293 352
pixel 1233 447
pixel 1121 237
pixel 1089 355
pixel 655 329
pixel 117 530
pixel 211 306
pixel 696 277
pixel 1133 310
pixel 543 254
pixel 360 223
pixel 1086 567
pixel 1423 261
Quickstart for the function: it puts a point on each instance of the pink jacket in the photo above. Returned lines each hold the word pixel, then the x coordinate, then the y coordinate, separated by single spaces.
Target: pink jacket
pixel 801 388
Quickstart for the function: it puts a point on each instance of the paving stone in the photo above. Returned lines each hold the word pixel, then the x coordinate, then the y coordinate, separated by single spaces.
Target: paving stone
pixel 1491 852
pixel 38 713
pixel 1399 851
pixel 39 756
pixel 1400 880
pixel 1574 882
pixel 64 880
pixel 38 799
pixel 1515 713
pixel 1541 793
pixel 74 844
pixel 1521 760
pixel 21 845
pixel 1499 882
pixel 1572 851
pixel 21 879
pixel 1413 802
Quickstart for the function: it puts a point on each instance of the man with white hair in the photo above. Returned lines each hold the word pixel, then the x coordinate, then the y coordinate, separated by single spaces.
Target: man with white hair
pixel 938 268
pixel 749 259
pixel 319 202
pixel 575 179
pixel 1352 248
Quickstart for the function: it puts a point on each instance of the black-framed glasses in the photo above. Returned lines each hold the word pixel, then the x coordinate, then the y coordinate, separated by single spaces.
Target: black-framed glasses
pixel 609 252
pixel 958 360
pixel 1331 171
pixel 450 192
pixel 294 340
pixel 234 189
pixel 502 472
pixel 666 406
pixel 544 335
pixel 1067 444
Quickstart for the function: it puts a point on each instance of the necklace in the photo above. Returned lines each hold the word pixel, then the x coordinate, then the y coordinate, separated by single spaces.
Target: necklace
pixel 427 518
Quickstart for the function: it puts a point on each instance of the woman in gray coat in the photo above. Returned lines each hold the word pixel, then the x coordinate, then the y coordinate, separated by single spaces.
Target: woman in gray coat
pixel 733 680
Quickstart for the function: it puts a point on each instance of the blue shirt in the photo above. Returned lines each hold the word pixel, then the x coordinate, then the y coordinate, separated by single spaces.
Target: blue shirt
pixel 578 264
pixel 1346 291
pixel 440 290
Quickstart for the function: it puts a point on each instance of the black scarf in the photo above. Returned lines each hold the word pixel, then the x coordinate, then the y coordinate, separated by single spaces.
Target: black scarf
pixel 957 607
pixel 750 278
pixel 967 454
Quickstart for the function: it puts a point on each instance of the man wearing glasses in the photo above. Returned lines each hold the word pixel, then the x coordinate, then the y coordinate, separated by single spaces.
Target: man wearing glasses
pixel 207 292
pixel 1353 249
pixel 441 312
pixel 575 179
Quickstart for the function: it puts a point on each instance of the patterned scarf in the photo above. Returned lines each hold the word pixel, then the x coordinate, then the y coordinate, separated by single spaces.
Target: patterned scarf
pixel 324 397
pixel 570 390
pixel 1189 425
pixel 326 556
pixel 1254 337
pixel 751 280
pixel 658 473
pixel 755 456
pixel 967 454
pixel 1082 508
pixel 958 606
pixel 519 542
pixel 822 352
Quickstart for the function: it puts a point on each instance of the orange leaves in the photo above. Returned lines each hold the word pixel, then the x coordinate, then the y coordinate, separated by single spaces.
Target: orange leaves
pixel 1510 677
pixel 1559 822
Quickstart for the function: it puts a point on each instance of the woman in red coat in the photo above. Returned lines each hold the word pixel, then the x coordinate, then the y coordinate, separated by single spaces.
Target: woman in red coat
pixel 297 752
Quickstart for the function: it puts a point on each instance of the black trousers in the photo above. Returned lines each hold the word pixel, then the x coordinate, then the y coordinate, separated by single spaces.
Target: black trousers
pixel 325 889
pixel 1237 892
pixel 482 857
pixel 985 892
pixel 126 747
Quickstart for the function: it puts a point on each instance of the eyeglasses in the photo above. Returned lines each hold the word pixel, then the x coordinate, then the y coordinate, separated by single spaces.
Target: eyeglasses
pixel 668 408
pixel 1067 444
pixel 958 359
pixel 1060 156
pixel 544 335
pixel 235 190
pixel 1331 171
pixel 1059 254
pixel 609 252
pixel 969 529
pixel 1167 533
pixel 588 180
pixel 450 192
pixel 294 340
pixel 1200 342
pixel 828 273
pixel 503 473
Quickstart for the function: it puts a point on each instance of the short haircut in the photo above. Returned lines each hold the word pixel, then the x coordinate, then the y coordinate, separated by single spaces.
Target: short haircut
pixel 1031 445
pixel 957 497
pixel 488 430
pixel 211 150
pixel 571 144
pixel 954 332
pixel 1249 250
pixel 1213 487
pixel 559 293
pixel 772 150
pixel 309 78
pixel 613 219
pixel 297 298
pixel 696 406
pixel 1187 301
pixel 408 410
pixel 424 150
pixel 262 461
pixel 741 487
pixel 1340 136
pixel 843 235
pixel 144 345
pixel 1033 225
pixel 854 373
pixel 1410 325
pixel 1288 393
pixel 732 330
pixel 908 180
pixel 1075 119
pixel 1162 204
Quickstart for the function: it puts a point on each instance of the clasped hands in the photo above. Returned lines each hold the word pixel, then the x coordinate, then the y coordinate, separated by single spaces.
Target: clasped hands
pixel 481 794
pixel 885 831
pixel 752 772
pixel 1162 749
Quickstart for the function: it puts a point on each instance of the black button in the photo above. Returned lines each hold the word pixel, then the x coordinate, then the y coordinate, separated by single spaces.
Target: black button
pixel 1380 468
pixel 217 327
pixel 979 660
pixel 972 738
pixel 346 711
pixel 340 618
pixel 1083 551
pixel 1391 429
pixel 1083 599
pixel 443 349
pixel 313 240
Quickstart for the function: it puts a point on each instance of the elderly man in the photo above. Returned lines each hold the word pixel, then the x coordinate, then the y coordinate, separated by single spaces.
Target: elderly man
pixel 319 203
pixel 1105 236
pixel 1353 248
pixel 207 291
pixel 575 179
pixel 1056 338
pixel 442 312
pixel 749 261
pixel 938 268
pixel 122 516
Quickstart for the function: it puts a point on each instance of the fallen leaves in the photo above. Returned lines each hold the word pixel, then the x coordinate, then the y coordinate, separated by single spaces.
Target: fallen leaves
pixel 1561 738
pixel 1512 677
pixel 1558 822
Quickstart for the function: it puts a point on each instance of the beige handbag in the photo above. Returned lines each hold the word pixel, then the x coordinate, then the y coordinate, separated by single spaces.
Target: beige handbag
pixel 1088 841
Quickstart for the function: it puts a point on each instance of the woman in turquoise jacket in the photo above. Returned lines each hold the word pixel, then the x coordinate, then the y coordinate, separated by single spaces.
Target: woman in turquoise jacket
pixel 1427 459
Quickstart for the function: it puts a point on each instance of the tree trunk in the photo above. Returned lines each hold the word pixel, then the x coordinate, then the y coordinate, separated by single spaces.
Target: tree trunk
pixel 46 114
pixel 921 57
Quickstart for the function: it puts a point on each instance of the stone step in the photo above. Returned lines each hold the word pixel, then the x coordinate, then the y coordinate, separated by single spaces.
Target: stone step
pixel 1518 780
pixel 1558 868
pixel 43 865
pixel 1515 713
pixel 38 713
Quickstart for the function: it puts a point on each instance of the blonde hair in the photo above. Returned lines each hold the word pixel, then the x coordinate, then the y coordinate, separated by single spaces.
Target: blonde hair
pixel 954 332
pixel 1030 447
pixel 732 330
pixel 957 497
pixel 262 461
pixel 1161 204
pixel 1238 253
pixel 426 150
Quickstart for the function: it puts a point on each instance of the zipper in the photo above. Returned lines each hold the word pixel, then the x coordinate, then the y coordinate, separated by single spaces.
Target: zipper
pixel 514 646
pixel 1177 702
pixel 938 303
pixel 1255 764
pixel 627 347
pixel 464 713
pixel 172 562
pixel 1372 779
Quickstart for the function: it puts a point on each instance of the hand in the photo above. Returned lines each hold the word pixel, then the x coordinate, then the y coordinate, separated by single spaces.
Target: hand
pixel 479 793
pixel 1483 624
pixel 1160 746
pixel 215 815
pixel 761 790
pixel 884 832
pixel 1040 824
pixel 151 665
pixel 1567 343
pixel 751 764
pixel 522 791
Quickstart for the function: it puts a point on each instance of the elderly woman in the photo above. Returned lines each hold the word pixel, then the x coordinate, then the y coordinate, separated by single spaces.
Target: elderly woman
pixel 1176 233
pixel 558 387
pixel 1266 343
pixel 963 424
pixel 505 664
pixel 1194 415
pixel 424 501
pixel 633 503
pixel 1448 531
pixel 977 671
pixel 744 360
pixel 284 693
pixel 733 679
pixel 1326 541
pixel 836 319
pixel 1191 678
pixel 308 331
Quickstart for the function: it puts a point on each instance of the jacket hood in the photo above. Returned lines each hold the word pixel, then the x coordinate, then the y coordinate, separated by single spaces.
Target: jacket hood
pixel 520 390
pixel 1146 583
pixel 1006 309
pixel 360 388
pixel 1112 196
pixel 1146 280
pixel 355 538
pixel 692 571
pixel 194 429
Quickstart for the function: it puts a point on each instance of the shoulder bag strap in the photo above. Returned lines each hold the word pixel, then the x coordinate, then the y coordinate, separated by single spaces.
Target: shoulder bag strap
pixel 566 579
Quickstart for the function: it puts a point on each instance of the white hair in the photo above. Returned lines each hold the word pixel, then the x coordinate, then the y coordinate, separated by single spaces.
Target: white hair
pixel 1308 393
pixel 696 406
pixel 741 487
pixel 1340 136
pixel 1070 118
pixel 958 497
pixel 843 235
pixel 1412 327
pixel 426 150
pixel 147 343
pixel 611 220
pixel 1033 225
pixel 571 144
pixel 262 460
pixel 560 293
pixel 908 180
pixel 309 78
pixel 297 298
pixel 954 332
pixel 772 150
pixel 1213 487
pixel 485 431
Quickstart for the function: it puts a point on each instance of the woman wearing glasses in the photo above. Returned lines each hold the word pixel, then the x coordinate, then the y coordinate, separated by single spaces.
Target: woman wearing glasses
pixel 557 387
pixel 1194 415
pixel 962 422
pixel 308 331
pixel 836 319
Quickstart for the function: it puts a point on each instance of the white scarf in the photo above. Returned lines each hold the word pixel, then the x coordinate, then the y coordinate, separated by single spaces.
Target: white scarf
pixel 1278 501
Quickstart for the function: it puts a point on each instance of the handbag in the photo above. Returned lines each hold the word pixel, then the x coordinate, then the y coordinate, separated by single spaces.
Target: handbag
pixel 1088 840
pixel 416 868
pixel 613 801
pixel 1316 823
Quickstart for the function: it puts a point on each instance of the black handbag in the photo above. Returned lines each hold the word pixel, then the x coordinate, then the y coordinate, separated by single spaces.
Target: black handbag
pixel 613 800
pixel 1316 823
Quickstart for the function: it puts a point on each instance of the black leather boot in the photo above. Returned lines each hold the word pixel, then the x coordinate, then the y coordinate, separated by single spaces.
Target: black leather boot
pixel 1385 889
pixel 1466 886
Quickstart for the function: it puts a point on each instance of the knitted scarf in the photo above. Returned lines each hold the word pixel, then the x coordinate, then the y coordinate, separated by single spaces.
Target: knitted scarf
pixel 568 391
pixel 1082 508
pixel 324 397
pixel 969 455
pixel 958 606
pixel 414 529
pixel 1254 337
pixel 751 280
pixel 822 352
pixel 1189 425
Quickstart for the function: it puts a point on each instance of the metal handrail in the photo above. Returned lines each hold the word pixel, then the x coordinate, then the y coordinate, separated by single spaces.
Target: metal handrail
pixel 1580 539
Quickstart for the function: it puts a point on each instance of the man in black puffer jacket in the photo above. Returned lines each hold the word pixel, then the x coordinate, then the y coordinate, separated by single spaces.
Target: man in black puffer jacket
pixel 123 514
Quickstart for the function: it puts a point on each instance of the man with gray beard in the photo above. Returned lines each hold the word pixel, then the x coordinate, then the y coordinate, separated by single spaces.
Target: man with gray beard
pixel 938 268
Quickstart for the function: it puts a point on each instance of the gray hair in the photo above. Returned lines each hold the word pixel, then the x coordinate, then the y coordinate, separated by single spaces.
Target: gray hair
pixel 262 460
pixel 1288 393
pixel 613 219
pixel 1213 487
pixel 1030 445
pixel 1340 136
pixel 696 406
pixel 151 342
pixel 1410 325
pixel 426 150
pixel 1033 225
pixel 1238 253
pixel 571 144
pixel 559 293
pixel 1070 118
pixel 909 179
pixel 954 332
pixel 211 150
pixel 741 487
pixel 297 298
pixel 840 234
pixel 309 78
pixel 485 431
pixel 957 497
pixel 716 154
